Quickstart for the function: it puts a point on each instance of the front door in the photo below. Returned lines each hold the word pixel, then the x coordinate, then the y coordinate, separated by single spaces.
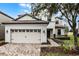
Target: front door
pixel 50 33
pixel 59 31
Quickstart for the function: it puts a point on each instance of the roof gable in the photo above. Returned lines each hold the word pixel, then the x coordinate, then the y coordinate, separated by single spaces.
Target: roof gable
pixel 27 15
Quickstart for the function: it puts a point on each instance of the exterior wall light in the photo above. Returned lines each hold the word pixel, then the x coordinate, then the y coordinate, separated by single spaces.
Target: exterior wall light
pixel 44 31
pixel 6 31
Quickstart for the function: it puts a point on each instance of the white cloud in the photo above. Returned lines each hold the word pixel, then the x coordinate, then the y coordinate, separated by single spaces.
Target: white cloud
pixel 28 5
pixel 23 11
pixel 24 5
pixel 26 11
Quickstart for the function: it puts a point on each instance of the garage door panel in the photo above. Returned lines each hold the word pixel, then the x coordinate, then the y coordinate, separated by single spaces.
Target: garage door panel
pixel 26 37
pixel 17 37
pixel 35 36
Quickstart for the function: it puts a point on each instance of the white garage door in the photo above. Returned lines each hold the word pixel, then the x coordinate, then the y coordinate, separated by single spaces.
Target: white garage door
pixel 26 35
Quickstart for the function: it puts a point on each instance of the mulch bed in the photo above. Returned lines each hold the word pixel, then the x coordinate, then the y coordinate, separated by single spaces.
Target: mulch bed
pixel 60 50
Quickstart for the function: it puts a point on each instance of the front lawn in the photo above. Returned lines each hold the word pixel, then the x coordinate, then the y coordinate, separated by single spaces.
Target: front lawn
pixel 52 51
pixel 65 50
pixel 70 43
pixel 58 51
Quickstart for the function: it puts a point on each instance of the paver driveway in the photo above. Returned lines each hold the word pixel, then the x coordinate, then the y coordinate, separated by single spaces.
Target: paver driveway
pixel 20 50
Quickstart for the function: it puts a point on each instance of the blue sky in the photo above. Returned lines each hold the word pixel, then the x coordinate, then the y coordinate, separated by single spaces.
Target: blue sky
pixel 14 9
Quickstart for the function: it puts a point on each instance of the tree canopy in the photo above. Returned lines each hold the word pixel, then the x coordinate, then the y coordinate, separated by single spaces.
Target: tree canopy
pixel 69 12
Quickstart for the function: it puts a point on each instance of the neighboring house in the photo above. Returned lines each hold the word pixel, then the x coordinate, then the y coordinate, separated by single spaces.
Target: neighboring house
pixel 29 29
pixel 3 18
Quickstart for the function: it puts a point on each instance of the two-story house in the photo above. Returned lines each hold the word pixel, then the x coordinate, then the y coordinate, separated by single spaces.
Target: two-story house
pixel 30 29
pixel 56 27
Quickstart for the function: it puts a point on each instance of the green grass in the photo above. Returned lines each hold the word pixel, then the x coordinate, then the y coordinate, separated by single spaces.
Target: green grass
pixel 70 43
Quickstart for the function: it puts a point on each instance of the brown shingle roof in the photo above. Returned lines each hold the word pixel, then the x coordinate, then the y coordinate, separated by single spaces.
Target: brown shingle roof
pixel 6 15
pixel 28 15
pixel 59 26
pixel 26 22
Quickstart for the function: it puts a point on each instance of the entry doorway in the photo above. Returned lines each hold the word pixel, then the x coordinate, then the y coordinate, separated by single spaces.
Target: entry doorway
pixel 59 32
pixel 49 33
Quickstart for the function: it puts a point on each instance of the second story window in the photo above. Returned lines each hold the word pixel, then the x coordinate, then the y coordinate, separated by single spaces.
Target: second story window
pixel 57 22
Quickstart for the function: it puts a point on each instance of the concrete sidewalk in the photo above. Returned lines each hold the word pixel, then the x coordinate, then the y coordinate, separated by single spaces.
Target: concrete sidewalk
pixel 53 43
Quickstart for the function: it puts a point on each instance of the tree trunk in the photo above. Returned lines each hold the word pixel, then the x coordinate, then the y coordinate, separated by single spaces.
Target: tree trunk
pixel 75 40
